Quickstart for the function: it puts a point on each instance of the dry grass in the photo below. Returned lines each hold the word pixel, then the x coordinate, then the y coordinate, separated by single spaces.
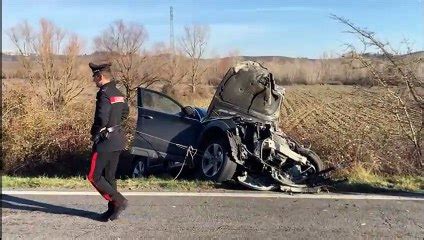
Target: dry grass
pixel 36 139
pixel 365 178
pixel 360 179
pixel 340 123
pixel 142 184
pixel 201 98
pixel 345 127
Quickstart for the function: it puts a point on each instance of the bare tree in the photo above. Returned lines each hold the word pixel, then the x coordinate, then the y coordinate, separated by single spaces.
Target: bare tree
pixel 46 62
pixel 123 45
pixel 193 44
pixel 219 67
pixel 174 71
pixel 404 96
pixel 324 70
pixel 172 65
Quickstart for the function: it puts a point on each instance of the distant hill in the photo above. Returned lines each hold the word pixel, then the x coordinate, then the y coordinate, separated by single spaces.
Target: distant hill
pixel 7 57
pixel 286 70
pixel 415 54
pixel 266 58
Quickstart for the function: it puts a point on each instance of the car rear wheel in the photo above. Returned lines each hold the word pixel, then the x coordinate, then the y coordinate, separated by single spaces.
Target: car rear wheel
pixel 139 167
pixel 215 164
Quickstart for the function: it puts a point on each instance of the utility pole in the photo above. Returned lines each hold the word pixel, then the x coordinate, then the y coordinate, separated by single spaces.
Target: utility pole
pixel 171 31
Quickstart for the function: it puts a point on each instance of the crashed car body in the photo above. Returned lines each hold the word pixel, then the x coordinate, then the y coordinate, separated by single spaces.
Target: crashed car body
pixel 237 137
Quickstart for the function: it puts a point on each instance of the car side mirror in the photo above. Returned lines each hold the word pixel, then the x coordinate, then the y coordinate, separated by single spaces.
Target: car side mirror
pixel 189 111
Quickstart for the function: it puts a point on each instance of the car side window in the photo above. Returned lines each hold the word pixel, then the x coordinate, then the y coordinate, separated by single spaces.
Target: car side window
pixel 157 102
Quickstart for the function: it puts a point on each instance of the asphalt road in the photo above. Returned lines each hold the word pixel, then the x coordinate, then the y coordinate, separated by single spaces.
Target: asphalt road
pixel 73 216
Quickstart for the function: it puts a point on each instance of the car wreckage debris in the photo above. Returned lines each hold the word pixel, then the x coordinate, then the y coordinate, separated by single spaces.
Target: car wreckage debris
pixel 237 137
pixel 267 159
pixel 249 100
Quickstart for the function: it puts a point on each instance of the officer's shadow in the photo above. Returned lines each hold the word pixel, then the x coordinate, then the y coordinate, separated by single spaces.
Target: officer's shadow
pixel 18 203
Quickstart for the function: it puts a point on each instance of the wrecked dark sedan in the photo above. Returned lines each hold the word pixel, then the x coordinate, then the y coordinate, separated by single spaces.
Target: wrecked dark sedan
pixel 237 137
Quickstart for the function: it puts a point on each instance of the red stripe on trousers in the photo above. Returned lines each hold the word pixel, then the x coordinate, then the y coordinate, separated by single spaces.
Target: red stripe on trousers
pixel 90 176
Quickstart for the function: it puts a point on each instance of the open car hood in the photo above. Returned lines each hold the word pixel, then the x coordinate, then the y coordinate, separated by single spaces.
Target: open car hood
pixel 249 90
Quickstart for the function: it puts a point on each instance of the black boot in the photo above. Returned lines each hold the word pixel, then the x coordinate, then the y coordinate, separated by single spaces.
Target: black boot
pixel 106 215
pixel 119 208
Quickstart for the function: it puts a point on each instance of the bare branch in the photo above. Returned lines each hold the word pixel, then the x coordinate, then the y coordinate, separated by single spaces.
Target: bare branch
pixel 403 87
pixel 193 43
pixel 46 64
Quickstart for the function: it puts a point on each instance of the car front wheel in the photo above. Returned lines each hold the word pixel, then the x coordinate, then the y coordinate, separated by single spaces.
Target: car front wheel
pixel 215 164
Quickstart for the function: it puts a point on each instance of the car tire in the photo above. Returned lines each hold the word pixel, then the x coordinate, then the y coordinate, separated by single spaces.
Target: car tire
pixel 139 167
pixel 315 160
pixel 215 163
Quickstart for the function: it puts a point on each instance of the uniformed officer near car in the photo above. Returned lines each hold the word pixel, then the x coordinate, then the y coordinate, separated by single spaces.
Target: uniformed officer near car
pixel 108 140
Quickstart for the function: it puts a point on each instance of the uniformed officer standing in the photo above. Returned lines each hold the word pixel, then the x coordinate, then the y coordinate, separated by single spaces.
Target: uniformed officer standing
pixel 109 140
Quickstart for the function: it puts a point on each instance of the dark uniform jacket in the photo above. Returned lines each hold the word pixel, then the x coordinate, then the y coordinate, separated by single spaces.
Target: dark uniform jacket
pixel 111 110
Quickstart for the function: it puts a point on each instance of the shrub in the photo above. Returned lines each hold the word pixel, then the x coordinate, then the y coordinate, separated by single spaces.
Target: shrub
pixel 40 141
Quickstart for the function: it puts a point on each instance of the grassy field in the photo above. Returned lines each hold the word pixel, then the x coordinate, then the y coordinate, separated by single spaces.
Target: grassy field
pixel 348 126
pixel 339 122
pixel 144 184
pixel 360 181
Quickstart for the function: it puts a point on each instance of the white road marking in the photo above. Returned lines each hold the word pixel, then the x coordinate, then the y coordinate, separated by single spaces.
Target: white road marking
pixel 227 194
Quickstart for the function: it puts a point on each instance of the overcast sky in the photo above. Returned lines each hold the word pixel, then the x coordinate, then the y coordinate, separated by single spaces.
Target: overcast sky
pixel 273 28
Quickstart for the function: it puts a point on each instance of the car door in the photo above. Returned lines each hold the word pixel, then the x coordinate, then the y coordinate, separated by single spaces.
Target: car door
pixel 163 129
